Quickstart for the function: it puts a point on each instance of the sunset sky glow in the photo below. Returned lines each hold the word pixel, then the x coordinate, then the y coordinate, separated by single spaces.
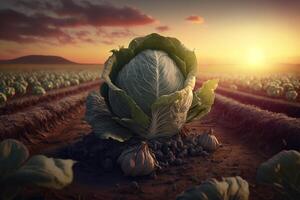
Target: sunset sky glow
pixel 218 31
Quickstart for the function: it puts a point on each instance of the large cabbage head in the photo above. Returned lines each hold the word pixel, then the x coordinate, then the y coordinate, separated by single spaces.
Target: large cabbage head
pixel 148 87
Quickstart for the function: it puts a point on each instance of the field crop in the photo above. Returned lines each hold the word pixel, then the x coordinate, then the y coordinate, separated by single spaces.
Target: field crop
pixel 277 86
pixel 16 84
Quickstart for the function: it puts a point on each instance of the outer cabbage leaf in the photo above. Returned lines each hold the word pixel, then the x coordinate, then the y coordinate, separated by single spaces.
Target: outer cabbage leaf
pixel 231 188
pixel 203 100
pixel 16 171
pixel 169 112
pixel 100 118
pixel 43 171
pixel 136 114
pixel 208 190
pixel 238 188
pixel 283 172
pixel 12 155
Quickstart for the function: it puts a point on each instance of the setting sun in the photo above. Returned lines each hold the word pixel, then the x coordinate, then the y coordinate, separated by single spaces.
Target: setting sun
pixel 255 57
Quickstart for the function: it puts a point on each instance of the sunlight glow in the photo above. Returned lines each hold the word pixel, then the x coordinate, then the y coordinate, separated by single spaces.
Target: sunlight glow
pixel 255 60
pixel 255 57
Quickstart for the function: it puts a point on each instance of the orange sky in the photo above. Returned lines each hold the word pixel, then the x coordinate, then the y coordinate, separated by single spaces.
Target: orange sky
pixel 231 32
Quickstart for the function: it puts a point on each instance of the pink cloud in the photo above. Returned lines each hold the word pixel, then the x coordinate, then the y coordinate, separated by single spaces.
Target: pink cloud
pixel 162 28
pixel 111 36
pixel 195 19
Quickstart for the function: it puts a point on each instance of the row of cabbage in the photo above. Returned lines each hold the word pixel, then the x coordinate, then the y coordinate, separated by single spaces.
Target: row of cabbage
pixel 284 86
pixel 14 84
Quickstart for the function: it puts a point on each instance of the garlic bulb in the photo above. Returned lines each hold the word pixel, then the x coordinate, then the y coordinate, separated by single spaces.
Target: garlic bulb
pixel 137 161
pixel 208 141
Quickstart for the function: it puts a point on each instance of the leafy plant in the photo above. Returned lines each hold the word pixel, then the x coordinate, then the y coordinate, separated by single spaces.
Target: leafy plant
pixel 291 95
pixel 9 91
pixel 149 86
pixel 20 88
pixel 230 188
pixel 38 90
pixel 18 170
pixel 3 98
pixel 283 172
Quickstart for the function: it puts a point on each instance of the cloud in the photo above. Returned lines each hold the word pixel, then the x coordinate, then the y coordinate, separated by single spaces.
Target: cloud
pixel 87 13
pixel 121 33
pixel 195 19
pixel 162 28
pixel 111 36
pixel 12 51
pixel 107 42
pixel 35 4
pixel 81 34
pixel 84 36
pixel 58 21
pixel 22 28
pixel 104 14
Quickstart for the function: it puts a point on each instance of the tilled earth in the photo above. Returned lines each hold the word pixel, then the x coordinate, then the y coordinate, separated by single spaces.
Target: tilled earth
pixel 183 162
pixel 98 177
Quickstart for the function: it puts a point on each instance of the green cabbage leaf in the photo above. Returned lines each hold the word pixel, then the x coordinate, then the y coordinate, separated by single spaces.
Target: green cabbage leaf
pixel 230 188
pixel 18 170
pixel 283 172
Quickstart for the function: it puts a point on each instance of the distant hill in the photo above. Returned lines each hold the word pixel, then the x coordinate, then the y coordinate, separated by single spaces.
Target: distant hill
pixel 38 59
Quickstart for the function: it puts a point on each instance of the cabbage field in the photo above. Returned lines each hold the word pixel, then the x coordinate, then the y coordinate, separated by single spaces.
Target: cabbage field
pixel 149 125
pixel 277 92
pixel 285 86
pixel 19 84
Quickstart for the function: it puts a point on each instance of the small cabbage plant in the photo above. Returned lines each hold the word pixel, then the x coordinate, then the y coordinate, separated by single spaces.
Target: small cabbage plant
pixel 230 188
pixel 283 172
pixel 148 89
pixel 18 170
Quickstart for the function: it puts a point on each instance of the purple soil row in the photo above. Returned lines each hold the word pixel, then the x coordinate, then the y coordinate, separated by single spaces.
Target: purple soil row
pixel 23 103
pixel 42 117
pixel 264 128
pixel 274 105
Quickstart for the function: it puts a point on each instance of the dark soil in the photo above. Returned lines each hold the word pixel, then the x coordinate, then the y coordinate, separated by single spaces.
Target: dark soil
pixel 103 154
pixel 235 157
pixel 291 109
pixel 259 99
pixel 243 131
pixel 267 130
pixel 43 117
